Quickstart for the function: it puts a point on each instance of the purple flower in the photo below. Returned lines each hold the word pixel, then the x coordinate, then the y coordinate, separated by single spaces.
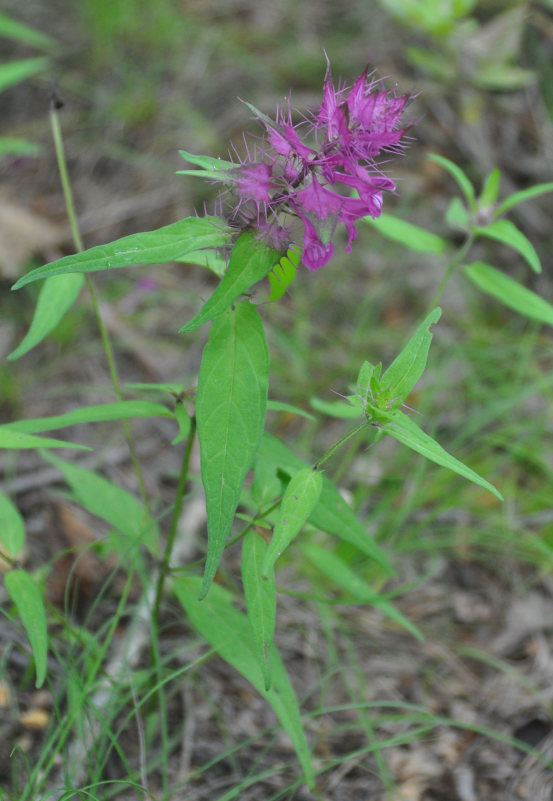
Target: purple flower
pixel 307 170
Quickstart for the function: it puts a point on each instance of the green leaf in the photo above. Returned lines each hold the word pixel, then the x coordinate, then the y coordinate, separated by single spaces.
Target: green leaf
pixel 16 440
pixel 122 410
pixel 12 528
pixel 279 406
pixel 459 176
pixel 412 236
pixel 16 71
pixel 336 409
pixel 250 261
pixel 211 259
pixel 170 243
pixel 30 607
pixel 56 296
pixel 408 366
pixel 230 413
pixel 408 433
pixel 206 162
pixel 333 567
pixel 331 514
pixel 283 273
pixel 111 503
pixel 184 421
pixel 520 197
pixel 506 232
pixel 490 190
pixel 229 632
pixel 171 389
pixel 12 146
pixel 298 502
pixel 260 594
pixel 457 215
pixel 18 32
pixel 510 292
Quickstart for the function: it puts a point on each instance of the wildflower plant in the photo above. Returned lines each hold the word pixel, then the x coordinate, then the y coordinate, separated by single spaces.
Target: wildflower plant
pixel 280 204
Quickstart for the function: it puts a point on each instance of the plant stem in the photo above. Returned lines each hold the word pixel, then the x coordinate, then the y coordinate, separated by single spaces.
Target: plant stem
pixel 452 266
pixel 173 529
pixel 106 342
pixel 318 464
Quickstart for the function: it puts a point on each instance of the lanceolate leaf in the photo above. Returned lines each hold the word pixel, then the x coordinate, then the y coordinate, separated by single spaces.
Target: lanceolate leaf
pixel 250 261
pixel 408 366
pixel 331 514
pixel 12 528
pixel 506 232
pixel 260 595
pixel 111 503
pixel 170 243
pixel 459 176
pixel 29 604
pixel 510 292
pixel 229 632
pixel 520 197
pixel 333 567
pixel 122 410
pixel 300 498
pixel 17 440
pixel 407 432
pixel 230 413
pixel 17 70
pixel 56 296
pixel 412 236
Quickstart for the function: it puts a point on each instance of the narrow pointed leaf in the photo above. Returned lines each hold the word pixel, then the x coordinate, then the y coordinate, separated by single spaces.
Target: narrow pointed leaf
pixel 336 409
pixel 111 503
pixel 229 632
pixel 333 567
pixel 510 292
pixel 408 433
pixel 230 413
pixel 19 32
pixel 260 594
pixel 520 197
pixel 17 70
pixel 170 243
pixel 408 366
pixel 122 410
pixel 458 175
pixel 183 419
pixel 206 162
pixel 490 190
pixel 412 236
pixel 331 514
pixel 56 296
pixel 250 261
pixel 17 440
pixel 298 502
pixel 279 406
pixel 12 528
pixel 30 607
pixel 506 232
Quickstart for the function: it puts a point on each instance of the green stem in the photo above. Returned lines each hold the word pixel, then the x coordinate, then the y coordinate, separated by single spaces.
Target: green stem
pixel 77 239
pixel 173 529
pixel 319 463
pixel 452 266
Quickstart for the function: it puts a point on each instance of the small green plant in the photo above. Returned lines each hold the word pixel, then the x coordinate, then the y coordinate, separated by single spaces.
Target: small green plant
pixel 279 206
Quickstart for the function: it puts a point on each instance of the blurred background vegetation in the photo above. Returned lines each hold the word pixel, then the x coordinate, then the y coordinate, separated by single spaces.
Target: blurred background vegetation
pixel 142 78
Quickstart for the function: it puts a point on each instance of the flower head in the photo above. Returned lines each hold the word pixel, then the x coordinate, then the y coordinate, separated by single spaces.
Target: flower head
pixel 307 170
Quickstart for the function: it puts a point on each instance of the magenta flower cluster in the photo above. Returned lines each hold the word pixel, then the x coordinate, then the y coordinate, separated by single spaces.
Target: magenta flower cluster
pixel 308 170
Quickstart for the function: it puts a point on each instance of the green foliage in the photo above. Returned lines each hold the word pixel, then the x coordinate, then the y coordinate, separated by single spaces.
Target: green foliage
pixel 12 528
pixel 510 292
pixel 250 261
pixel 260 597
pixel 230 633
pixel 230 412
pixel 298 502
pixel 30 607
pixel 172 242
